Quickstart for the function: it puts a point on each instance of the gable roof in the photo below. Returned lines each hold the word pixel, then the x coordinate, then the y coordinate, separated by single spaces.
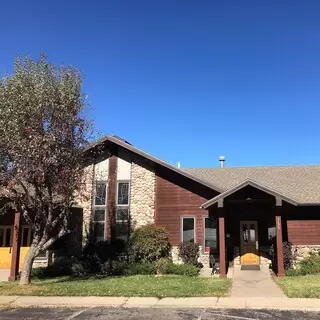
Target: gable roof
pixel 301 184
pixel 246 183
pixel 126 145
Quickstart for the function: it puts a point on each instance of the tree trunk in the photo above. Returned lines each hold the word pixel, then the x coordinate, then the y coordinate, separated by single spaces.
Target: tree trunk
pixel 27 265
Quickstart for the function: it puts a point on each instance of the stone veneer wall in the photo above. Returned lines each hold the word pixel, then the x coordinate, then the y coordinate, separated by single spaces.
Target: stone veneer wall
pixel 175 255
pixel 142 195
pixel 302 251
pixel 203 256
pixel 84 198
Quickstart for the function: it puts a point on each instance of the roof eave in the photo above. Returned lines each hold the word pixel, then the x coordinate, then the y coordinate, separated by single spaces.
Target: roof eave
pixel 158 161
pixel 243 184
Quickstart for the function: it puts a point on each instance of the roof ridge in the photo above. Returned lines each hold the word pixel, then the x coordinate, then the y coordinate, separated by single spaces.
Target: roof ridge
pixel 256 167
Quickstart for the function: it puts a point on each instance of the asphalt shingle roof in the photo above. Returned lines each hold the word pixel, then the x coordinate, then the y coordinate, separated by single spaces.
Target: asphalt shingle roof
pixel 300 183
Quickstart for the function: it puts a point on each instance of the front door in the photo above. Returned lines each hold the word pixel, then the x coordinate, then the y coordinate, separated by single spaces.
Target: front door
pixel 249 242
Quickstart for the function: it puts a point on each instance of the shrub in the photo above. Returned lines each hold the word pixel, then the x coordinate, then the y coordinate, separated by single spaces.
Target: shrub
pixel 149 243
pixel 292 272
pixel 115 267
pixel 287 255
pixel 139 269
pixel 310 264
pixel 99 253
pixel 62 266
pixel 80 267
pixel 189 252
pixel 39 273
pixel 183 269
pixel 162 265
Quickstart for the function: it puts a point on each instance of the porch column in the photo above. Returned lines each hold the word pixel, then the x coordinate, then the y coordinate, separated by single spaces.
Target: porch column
pixel 15 253
pixel 222 244
pixel 279 240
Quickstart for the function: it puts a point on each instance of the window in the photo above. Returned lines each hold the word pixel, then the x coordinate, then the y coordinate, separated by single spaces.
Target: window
pixel 123 193
pixel 188 229
pixel 99 211
pixel 122 210
pixel 6 236
pixel 100 195
pixel 210 234
pixel 25 240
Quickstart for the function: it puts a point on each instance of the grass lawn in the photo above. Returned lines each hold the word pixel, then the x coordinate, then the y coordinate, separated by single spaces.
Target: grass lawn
pixel 143 286
pixel 300 286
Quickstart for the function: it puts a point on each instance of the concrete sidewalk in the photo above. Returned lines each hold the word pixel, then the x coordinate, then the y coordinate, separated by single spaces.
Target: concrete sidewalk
pixel 249 283
pixel 139 302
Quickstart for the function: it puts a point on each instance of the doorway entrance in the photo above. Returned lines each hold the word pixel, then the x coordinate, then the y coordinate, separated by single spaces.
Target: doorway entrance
pixel 249 242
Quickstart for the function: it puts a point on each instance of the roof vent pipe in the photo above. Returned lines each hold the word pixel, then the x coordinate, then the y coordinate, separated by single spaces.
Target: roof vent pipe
pixel 179 164
pixel 222 159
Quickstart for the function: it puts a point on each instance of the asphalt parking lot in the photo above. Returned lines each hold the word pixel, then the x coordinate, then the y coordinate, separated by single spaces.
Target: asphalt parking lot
pixel 152 313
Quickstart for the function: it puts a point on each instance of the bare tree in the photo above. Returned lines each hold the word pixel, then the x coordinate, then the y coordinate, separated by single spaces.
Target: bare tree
pixel 43 131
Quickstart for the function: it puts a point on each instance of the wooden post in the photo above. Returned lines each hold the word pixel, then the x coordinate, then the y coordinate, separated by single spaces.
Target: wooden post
pixel 279 241
pixel 110 222
pixel 15 254
pixel 222 245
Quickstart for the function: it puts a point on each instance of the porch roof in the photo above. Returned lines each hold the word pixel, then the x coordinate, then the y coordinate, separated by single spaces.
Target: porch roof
pixel 219 199
pixel 299 183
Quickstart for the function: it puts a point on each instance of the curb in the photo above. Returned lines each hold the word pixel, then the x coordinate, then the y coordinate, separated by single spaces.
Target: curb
pixel 271 303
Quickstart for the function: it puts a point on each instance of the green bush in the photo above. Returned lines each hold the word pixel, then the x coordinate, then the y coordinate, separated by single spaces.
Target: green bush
pixel 62 266
pixel 149 243
pixel 115 267
pixel 189 252
pixel 162 265
pixel 139 269
pixel 183 269
pixel 310 264
pixel 292 272
pixel 39 273
pixel 80 267
pixel 98 253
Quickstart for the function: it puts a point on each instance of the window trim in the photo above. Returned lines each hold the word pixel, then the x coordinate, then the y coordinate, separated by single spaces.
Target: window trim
pixel 123 206
pixel 117 192
pixel 5 227
pixel 95 191
pixel 100 207
pixel 204 234
pixel 194 225
pixel 22 231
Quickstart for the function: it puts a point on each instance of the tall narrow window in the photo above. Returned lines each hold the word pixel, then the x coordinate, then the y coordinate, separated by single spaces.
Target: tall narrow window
pixel 188 229
pixel 99 211
pixel 210 234
pixel 122 212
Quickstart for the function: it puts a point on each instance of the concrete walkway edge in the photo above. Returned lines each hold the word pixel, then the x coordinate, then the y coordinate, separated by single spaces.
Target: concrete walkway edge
pixel 277 303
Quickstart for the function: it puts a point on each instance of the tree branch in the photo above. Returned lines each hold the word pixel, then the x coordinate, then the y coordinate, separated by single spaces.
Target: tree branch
pixel 61 233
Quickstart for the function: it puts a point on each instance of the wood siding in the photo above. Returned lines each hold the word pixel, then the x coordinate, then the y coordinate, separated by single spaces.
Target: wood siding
pixel 177 198
pixel 111 197
pixel 304 232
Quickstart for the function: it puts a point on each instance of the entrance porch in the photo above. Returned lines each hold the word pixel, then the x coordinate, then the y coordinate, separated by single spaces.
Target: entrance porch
pixel 250 227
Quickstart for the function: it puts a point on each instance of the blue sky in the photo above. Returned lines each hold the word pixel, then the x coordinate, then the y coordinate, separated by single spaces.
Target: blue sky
pixel 187 80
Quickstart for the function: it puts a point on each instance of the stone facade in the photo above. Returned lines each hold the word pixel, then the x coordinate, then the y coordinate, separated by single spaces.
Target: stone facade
pixel 142 195
pixel 175 255
pixel 300 252
pixel 236 256
pixel 84 199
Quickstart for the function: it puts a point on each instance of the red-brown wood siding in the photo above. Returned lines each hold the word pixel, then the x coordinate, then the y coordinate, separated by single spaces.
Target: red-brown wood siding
pixel 174 200
pixel 304 232
pixel 112 186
